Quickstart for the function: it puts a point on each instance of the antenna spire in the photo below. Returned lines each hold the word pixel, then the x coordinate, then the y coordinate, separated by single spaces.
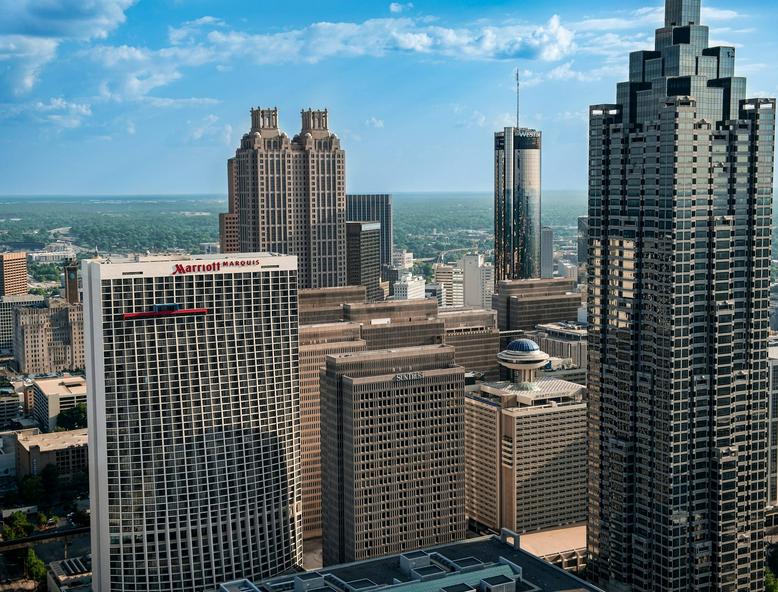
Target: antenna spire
pixel 518 97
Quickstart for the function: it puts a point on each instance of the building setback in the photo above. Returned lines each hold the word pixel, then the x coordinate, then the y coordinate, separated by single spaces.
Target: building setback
pixel 517 204
pixel 363 256
pixel 288 196
pixel 194 435
pixel 316 343
pixel 392 452
pixel 374 207
pixel 13 274
pixel 680 194
pixel 523 304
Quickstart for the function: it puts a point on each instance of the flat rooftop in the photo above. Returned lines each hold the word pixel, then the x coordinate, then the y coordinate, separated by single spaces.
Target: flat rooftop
pixel 555 540
pixel 456 567
pixel 54 440
pixel 61 385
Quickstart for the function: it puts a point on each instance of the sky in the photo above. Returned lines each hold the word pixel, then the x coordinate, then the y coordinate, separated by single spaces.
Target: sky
pixel 153 96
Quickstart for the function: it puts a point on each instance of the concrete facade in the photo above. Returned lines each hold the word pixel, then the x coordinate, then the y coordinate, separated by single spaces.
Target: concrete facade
pixel 13 274
pixel 49 338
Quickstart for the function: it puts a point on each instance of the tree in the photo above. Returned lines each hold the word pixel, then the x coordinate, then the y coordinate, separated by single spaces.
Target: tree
pixel 17 526
pixel 34 567
pixel 770 582
pixel 50 479
pixel 72 419
pixel 31 489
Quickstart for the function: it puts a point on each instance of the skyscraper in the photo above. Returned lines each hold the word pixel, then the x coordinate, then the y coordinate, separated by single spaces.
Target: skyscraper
pixel 680 193
pixel 289 196
pixel 363 256
pixel 393 473
pixel 194 437
pixel 517 204
pixel 13 274
pixel 374 207
pixel 547 253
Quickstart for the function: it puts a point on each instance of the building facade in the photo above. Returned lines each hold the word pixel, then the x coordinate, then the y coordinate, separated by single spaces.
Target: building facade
pixel 583 239
pixel 525 447
pixel 65 450
pixel 363 256
pixel 392 452
pixel 7 306
pixel 374 207
pixel 475 338
pixel 524 304
pixel 547 252
pixel 289 196
pixel 772 426
pixel 52 396
pixel 13 274
pixel 517 203
pixel 477 281
pixel 680 194
pixel 72 287
pixel 316 343
pixel 325 305
pixel 410 287
pixel 451 279
pixel 194 417
pixel 49 337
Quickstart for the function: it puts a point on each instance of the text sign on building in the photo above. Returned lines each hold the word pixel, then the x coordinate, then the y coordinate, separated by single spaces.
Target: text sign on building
pixel 182 269
pixel 408 376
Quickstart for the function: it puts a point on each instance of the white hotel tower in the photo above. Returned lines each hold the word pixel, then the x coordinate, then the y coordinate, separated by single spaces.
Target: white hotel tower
pixel 194 438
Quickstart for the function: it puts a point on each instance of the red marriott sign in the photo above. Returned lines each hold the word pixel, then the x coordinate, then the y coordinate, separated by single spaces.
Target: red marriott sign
pixel 183 269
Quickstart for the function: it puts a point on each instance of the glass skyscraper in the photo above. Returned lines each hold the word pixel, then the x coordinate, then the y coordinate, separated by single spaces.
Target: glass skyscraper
pixel 680 194
pixel 517 204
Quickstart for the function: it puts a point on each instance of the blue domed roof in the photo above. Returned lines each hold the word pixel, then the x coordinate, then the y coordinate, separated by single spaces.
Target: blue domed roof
pixel 523 345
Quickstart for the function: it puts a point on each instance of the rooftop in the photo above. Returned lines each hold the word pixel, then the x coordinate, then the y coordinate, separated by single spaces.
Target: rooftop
pixel 471 565
pixel 546 391
pixel 555 540
pixel 54 440
pixel 61 385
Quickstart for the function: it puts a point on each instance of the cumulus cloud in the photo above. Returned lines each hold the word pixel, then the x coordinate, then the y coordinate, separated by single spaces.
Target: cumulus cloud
pixel 398 7
pixel 31 31
pixel 56 111
pixel 375 123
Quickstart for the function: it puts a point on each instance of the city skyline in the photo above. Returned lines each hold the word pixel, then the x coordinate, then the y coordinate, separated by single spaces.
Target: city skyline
pixel 80 86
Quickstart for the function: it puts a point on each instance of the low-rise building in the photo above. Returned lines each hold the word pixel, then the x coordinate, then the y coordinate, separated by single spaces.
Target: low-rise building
pixel 70 575
pixel 485 564
pixel 65 450
pixel 52 396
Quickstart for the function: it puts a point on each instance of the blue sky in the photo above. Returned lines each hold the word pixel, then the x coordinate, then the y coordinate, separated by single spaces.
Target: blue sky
pixel 152 96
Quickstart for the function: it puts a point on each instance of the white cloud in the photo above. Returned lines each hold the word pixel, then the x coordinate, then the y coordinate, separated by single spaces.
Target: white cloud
pixel 375 123
pixel 397 7
pixel 131 73
pixel 55 111
pixel 211 130
pixel 32 30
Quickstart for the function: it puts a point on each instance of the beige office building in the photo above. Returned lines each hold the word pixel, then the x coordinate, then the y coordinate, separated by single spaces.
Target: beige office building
pixel 392 452
pixel 523 304
pixel 525 447
pixel 13 274
pixel 65 450
pixel 52 396
pixel 316 343
pixel 288 195
pixel 474 335
pixel 49 338
pixel 397 323
pixel 325 305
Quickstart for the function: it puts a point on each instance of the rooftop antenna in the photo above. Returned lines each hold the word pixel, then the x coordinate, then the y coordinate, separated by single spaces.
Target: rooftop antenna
pixel 518 96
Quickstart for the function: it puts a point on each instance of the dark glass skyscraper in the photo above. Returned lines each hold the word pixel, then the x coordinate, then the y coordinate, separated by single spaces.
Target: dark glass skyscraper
pixel 517 204
pixel 680 194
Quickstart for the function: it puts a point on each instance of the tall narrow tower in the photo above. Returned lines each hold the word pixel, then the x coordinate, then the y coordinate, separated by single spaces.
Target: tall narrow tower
pixel 680 196
pixel 517 201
